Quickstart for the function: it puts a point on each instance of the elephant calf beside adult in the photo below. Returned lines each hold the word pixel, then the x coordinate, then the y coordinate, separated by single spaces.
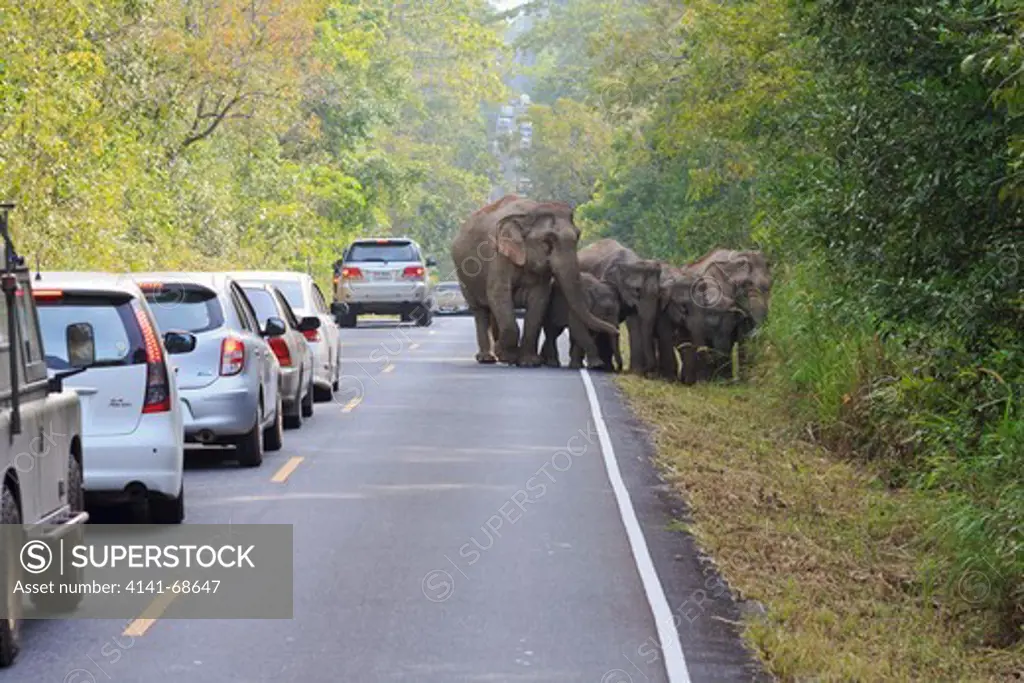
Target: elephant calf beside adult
pixel 601 350
pixel 637 283
pixel 509 251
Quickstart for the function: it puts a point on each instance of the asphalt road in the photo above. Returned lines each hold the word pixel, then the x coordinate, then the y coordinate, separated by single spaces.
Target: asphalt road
pixel 452 523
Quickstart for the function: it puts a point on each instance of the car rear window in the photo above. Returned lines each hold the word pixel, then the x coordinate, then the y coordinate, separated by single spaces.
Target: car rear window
pixel 117 337
pixel 263 303
pixel 391 251
pixel 184 307
pixel 292 292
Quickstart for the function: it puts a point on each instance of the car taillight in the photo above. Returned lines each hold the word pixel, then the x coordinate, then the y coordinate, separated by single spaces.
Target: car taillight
pixel 232 356
pixel 280 349
pixel 47 294
pixel 311 335
pixel 158 388
pixel 413 272
pixel 351 273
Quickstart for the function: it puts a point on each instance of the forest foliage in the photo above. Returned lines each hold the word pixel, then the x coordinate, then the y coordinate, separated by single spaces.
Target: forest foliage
pixel 141 134
pixel 875 151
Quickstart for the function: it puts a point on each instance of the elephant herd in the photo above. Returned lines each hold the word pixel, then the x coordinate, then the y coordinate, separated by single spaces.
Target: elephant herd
pixel 520 253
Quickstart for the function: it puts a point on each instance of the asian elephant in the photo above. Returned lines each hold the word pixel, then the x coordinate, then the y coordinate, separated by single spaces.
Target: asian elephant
pixel 601 349
pixel 699 315
pixel 636 281
pixel 509 251
pixel 750 277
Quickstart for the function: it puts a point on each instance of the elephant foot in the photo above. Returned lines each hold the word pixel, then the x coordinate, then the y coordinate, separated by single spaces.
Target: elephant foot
pixel 508 357
pixel 486 358
pixel 553 362
pixel 530 361
pixel 597 365
pixel 575 364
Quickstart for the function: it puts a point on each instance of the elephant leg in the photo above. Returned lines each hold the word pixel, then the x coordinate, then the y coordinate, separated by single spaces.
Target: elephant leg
pixel 576 354
pixel 504 314
pixel 690 373
pixel 667 364
pixel 637 351
pixel 482 319
pixel 549 351
pixel 616 354
pixel 537 299
pixel 580 334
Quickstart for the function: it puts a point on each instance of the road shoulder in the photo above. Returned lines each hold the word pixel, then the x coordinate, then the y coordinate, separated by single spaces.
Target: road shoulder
pixel 705 613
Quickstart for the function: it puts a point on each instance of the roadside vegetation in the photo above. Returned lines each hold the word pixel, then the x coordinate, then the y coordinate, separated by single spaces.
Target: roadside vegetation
pixel 874 152
pixel 139 134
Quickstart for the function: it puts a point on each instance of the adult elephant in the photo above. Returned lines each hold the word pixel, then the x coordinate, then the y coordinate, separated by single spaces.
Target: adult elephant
pixel 508 252
pixel 749 277
pixel 636 281
pixel 697 314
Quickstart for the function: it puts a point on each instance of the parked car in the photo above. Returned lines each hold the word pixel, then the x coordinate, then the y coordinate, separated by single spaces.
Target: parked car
pixel 383 275
pixel 292 351
pixel 306 299
pixel 132 437
pixel 229 384
pixel 41 454
pixel 448 298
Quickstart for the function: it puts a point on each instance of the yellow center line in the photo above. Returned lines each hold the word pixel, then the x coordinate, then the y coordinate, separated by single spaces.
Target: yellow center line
pixel 351 405
pixel 389 368
pixel 286 470
pixel 138 627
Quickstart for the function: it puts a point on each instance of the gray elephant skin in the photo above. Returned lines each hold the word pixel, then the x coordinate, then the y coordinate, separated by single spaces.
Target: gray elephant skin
pixel 600 349
pixel 637 283
pixel 509 252
pixel 707 307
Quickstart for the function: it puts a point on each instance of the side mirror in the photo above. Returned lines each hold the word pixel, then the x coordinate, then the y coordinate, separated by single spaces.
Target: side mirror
pixel 179 342
pixel 309 323
pixel 81 343
pixel 274 328
pixel 431 262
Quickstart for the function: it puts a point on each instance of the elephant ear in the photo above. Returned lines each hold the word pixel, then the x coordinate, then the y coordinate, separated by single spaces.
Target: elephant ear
pixel 510 239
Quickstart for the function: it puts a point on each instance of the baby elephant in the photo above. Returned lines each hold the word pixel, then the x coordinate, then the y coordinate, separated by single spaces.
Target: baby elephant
pixel 600 349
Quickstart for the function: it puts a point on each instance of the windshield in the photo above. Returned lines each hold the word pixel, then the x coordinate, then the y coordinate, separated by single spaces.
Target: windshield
pixel 393 251
pixel 263 303
pixel 184 307
pixel 116 334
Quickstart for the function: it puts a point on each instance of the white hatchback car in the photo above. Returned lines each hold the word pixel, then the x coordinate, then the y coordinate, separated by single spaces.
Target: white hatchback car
pixel 132 433
pixel 306 300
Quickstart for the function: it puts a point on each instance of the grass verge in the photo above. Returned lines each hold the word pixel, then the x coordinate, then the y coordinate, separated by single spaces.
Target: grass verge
pixel 830 550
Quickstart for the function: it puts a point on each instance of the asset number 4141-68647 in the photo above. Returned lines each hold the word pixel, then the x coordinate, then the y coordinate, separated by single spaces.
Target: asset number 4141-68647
pixel 178 587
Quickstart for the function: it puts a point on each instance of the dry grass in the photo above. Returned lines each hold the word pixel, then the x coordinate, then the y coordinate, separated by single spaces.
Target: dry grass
pixel 828 549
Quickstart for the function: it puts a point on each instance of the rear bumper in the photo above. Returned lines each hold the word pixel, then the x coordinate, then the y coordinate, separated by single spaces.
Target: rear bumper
pixel 151 456
pixel 369 297
pixel 226 408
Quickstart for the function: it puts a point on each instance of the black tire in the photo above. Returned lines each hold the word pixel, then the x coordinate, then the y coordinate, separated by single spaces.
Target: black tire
pixel 293 420
pixel 10 574
pixel 249 446
pixel 306 406
pixel 273 436
pixel 167 510
pixel 323 394
pixel 76 490
pixel 423 316
pixel 349 319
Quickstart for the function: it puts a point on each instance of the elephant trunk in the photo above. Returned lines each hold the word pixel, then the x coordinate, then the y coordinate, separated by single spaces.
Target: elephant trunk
pixel 567 274
pixel 758 305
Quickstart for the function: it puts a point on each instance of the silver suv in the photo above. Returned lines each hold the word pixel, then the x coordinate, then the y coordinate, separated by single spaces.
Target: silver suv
pixel 387 276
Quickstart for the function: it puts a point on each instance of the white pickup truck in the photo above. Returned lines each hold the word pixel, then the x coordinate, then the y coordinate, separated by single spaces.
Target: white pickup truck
pixel 40 445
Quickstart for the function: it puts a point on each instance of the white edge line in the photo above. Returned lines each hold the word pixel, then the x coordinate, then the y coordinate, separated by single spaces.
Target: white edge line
pixel 675 662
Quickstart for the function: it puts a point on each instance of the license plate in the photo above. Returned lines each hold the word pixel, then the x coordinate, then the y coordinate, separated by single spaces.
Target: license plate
pixel 381 276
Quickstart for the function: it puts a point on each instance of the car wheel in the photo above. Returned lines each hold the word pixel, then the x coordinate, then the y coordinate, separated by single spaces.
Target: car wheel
pixel 307 401
pixel 10 627
pixel 423 316
pixel 167 510
pixel 348 319
pixel 323 394
pixel 68 599
pixel 293 420
pixel 76 491
pixel 250 445
pixel 273 436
